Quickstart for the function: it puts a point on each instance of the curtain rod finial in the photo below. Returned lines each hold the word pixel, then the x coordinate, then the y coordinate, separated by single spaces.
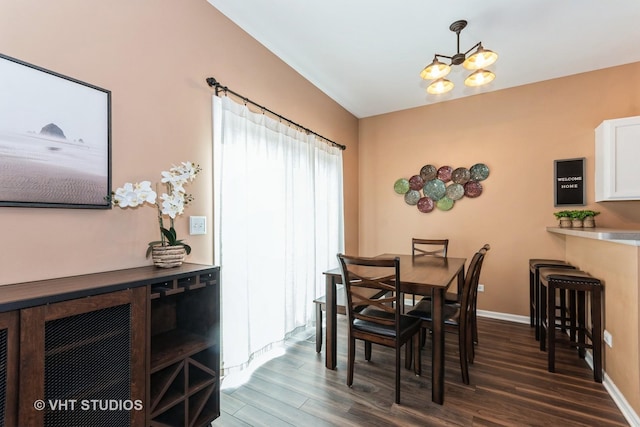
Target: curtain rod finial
pixel 212 82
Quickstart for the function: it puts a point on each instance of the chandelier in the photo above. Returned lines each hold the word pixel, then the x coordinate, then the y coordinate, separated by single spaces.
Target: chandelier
pixel 477 61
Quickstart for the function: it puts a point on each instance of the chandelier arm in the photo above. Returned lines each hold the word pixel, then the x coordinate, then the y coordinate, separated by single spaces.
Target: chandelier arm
pixel 472 47
pixel 437 55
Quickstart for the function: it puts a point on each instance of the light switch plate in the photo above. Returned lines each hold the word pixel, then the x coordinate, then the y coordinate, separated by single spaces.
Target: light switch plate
pixel 197 225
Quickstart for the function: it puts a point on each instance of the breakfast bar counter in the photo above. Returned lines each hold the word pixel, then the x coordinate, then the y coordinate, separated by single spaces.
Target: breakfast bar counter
pixel 613 256
pixel 627 237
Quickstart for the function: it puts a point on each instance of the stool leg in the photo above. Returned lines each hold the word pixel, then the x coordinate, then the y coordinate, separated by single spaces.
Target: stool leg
pixel 551 328
pixel 582 324
pixel 537 301
pixel 563 310
pixel 542 311
pixel 318 327
pixel 532 301
pixel 596 333
pixel 572 316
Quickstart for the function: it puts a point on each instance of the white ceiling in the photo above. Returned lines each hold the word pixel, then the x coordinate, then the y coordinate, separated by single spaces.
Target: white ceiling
pixel 367 54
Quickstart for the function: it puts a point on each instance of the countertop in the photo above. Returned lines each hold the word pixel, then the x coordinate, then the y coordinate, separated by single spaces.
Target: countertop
pixel 628 237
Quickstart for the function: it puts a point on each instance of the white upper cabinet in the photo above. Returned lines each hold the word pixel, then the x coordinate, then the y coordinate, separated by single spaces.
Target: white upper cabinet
pixel 618 159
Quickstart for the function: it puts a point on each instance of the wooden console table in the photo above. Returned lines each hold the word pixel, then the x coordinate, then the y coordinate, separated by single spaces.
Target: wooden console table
pixel 136 347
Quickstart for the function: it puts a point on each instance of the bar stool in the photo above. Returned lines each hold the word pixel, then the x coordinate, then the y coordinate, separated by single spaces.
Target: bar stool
pixel 534 289
pixel 579 284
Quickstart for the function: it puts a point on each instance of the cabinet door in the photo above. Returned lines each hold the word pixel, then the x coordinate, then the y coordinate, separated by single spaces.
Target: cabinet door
pixel 84 359
pixel 617 154
pixel 8 368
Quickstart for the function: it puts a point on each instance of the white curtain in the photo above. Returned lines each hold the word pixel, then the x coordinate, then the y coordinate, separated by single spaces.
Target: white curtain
pixel 278 226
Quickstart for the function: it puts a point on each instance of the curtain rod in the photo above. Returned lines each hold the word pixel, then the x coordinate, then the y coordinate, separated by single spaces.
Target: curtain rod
pixel 218 87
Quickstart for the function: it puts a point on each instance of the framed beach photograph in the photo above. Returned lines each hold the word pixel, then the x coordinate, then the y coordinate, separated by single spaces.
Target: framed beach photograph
pixel 55 139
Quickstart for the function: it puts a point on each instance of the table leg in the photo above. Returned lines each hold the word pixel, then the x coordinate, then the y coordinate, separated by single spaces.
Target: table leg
pixel 437 365
pixel 332 327
pixel 318 327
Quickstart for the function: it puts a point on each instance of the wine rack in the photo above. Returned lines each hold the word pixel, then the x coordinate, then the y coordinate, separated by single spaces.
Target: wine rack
pixel 185 355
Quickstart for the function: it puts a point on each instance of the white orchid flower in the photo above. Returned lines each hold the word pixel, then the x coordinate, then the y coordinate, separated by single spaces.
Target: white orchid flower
pixel 145 192
pixel 126 196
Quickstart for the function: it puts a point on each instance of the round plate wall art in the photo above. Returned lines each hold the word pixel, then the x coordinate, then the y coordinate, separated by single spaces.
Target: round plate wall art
pixel 434 189
pixel 479 172
pixel 401 186
pixel 460 175
pixel 441 187
pixel 445 204
pixel 444 173
pixel 416 182
pixel 472 189
pixel 412 197
pixel 425 205
pixel 455 191
pixel 428 172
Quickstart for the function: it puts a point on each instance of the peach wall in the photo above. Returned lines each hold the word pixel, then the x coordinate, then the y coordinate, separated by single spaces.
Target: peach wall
pixel 154 56
pixel 518 133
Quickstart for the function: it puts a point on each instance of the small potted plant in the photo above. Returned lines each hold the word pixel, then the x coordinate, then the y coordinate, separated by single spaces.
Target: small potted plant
pixel 576 218
pixel 169 251
pixel 564 217
pixel 588 221
pixel 583 218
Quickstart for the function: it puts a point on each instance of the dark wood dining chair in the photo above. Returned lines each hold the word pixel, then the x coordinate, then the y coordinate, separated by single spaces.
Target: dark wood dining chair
pixel 341 308
pixel 377 320
pixel 459 317
pixel 429 247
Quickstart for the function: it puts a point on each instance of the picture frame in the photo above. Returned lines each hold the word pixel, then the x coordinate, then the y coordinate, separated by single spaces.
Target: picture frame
pixel 55 139
pixel 569 182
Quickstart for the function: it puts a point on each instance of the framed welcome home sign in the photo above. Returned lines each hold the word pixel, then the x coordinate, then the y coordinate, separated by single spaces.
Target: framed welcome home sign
pixel 569 182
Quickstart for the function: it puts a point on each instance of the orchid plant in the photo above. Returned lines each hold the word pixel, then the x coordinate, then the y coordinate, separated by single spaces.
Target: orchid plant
pixel 171 203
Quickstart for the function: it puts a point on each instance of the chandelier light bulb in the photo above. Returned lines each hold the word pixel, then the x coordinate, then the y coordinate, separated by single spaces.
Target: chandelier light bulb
pixel 479 78
pixel 439 87
pixel 482 58
pixel 435 70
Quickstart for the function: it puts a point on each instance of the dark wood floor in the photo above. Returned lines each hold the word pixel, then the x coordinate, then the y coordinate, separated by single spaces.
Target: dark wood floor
pixel 510 386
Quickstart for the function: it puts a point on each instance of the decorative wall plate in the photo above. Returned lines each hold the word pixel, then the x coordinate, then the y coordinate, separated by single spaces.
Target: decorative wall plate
pixel 401 186
pixel 428 172
pixel 445 204
pixel 472 189
pixel 444 173
pixel 460 175
pixel 479 172
pixel 416 182
pixel 455 191
pixel 425 205
pixel 412 197
pixel 434 189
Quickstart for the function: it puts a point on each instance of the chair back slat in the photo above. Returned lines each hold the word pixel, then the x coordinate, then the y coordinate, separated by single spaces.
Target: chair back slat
pixel 372 286
pixel 429 247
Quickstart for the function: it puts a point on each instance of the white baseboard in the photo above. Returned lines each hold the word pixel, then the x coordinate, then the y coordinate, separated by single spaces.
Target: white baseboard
pixel 503 316
pixel 618 398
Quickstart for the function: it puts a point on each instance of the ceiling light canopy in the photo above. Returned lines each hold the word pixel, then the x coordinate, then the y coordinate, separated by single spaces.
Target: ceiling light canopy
pixel 477 61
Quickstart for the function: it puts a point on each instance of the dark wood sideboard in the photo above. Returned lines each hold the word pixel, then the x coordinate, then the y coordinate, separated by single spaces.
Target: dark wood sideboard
pixel 137 347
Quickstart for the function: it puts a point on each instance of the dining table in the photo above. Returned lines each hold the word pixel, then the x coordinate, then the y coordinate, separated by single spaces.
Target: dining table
pixel 420 275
